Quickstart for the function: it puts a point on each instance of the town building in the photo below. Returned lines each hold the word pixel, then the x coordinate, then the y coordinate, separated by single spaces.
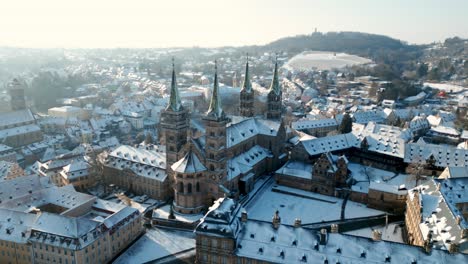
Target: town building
pixel 227 235
pixel 324 176
pixel 43 224
pixel 19 128
pixel 17 99
pixel 140 170
pixel 436 215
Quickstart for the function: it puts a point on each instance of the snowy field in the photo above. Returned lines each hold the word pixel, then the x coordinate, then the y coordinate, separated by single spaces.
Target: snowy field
pixel 447 87
pixel 157 243
pixel 321 60
pixel 311 208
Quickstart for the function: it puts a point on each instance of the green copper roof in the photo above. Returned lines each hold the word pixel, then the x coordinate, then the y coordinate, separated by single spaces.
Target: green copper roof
pixel 215 108
pixel 247 86
pixel 275 86
pixel 174 101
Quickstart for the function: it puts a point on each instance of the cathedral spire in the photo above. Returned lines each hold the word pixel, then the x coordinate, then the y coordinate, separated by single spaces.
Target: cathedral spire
pixel 275 87
pixel 174 101
pixel 247 86
pixel 215 108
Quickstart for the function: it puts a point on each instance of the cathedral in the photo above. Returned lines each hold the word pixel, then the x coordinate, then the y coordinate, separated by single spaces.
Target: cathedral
pixel 232 152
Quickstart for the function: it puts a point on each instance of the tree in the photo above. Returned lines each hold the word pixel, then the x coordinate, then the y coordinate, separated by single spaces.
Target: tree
pixel 346 124
pixel 140 137
pixel 148 139
pixel 422 70
pixel 434 74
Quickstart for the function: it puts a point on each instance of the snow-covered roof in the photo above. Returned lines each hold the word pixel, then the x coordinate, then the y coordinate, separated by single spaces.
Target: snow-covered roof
pixel 444 155
pixel 440 211
pixel 16 117
pixel 296 169
pixel 246 161
pixel 445 130
pixel 190 163
pixel 27 214
pixel 250 127
pixel 388 188
pixel 308 124
pixel 288 244
pixel 221 219
pixel 364 117
pixel 148 162
pixel 5 133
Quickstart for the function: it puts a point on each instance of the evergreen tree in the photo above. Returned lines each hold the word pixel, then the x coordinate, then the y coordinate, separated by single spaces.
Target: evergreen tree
pixel 346 124
pixel 422 70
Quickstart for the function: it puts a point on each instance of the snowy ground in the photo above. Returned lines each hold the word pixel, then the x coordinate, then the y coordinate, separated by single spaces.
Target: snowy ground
pixel 310 208
pixel 450 88
pixel 323 60
pixel 393 232
pixel 163 212
pixel 365 174
pixel 157 243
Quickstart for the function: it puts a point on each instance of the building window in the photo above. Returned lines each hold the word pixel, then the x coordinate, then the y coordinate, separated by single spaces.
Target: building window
pixel 189 188
pixel 197 187
pixel 181 187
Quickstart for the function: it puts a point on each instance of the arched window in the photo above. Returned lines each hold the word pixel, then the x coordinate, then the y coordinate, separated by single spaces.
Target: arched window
pixel 211 167
pixel 189 188
pixel 181 187
pixel 197 187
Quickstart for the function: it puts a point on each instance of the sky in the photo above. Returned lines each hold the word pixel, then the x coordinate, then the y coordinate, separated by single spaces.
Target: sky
pixel 212 23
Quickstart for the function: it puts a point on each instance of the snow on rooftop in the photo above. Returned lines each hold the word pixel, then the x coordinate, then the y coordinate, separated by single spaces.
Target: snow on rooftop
pixel 156 244
pixel 293 203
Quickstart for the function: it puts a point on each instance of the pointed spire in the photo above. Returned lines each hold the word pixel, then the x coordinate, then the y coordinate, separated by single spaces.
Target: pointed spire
pixel 275 87
pixel 174 101
pixel 215 108
pixel 247 86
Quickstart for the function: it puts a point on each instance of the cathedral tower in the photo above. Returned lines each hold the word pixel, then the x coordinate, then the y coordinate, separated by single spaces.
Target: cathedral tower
pixel 215 147
pixel 16 92
pixel 247 95
pixel 174 125
pixel 274 100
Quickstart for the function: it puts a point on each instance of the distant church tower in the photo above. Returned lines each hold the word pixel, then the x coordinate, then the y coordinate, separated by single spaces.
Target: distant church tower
pixel 274 100
pixel 247 95
pixel 234 80
pixel 16 92
pixel 215 147
pixel 174 125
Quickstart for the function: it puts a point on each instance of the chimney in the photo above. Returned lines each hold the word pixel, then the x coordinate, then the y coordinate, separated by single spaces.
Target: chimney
pixel 244 216
pixel 458 219
pixel 334 228
pixel 464 233
pixel 453 248
pixel 276 221
pixel 323 236
pixel 297 222
pixel 376 235
pixel 428 244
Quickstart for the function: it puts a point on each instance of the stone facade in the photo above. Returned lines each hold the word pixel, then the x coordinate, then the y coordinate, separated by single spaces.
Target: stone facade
pixel 325 175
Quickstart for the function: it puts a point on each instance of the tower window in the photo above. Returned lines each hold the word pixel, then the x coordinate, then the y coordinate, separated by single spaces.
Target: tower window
pixel 189 188
pixel 181 187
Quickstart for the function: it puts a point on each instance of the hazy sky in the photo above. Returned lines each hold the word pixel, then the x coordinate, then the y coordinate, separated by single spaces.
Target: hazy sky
pixel 157 23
